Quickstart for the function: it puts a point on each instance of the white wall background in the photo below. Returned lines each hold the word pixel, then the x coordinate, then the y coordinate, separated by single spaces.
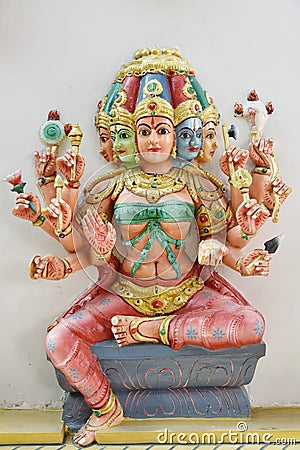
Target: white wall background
pixel 64 54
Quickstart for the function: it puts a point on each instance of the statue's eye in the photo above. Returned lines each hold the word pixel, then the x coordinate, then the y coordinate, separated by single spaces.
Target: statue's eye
pixel 163 131
pixel 185 135
pixel 124 135
pixel 210 136
pixel 113 136
pixel 199 134
pixel 144 132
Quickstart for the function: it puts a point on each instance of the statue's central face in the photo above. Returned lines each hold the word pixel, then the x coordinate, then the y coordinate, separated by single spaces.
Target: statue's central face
pixel 155 138
pixel 189 138
pixel 210 143
pixel 123 141
pixel 106 144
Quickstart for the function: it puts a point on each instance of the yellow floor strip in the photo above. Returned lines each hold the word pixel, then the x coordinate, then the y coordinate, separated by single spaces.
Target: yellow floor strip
pixel 21 426
pixel 279 426
pixel 36 429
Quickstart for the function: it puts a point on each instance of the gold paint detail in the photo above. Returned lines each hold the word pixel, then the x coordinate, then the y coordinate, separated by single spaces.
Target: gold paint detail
pixel 144 298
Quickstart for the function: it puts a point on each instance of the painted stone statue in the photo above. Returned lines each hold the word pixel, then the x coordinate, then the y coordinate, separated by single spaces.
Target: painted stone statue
pixel 156 226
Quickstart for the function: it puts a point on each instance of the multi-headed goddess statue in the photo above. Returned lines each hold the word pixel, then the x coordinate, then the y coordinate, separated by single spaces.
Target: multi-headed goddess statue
pixel 156 226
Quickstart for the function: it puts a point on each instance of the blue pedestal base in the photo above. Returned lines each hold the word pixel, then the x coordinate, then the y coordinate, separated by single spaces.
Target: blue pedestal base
pixel 154 381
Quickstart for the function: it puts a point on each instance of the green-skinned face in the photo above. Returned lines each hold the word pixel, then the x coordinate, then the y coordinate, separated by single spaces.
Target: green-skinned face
pixel 124 143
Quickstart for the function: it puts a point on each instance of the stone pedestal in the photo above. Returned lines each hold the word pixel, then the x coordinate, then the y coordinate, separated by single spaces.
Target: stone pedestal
pixel 154 381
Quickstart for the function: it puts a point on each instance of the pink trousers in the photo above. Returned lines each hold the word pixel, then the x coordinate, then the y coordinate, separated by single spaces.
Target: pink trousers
pixel 215 317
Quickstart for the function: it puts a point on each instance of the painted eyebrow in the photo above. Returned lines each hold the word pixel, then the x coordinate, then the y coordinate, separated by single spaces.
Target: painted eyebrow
pixel 124 129
pixel 148 126
pixel 144 125
pixel 162 123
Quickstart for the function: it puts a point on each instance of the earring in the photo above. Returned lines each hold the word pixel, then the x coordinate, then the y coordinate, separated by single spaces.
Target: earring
pixel 174 152
pixel 136 155
pixel 200 154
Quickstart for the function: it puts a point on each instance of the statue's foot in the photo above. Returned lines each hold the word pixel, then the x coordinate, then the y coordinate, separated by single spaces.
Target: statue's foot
pixel 87 434
pixel 130 329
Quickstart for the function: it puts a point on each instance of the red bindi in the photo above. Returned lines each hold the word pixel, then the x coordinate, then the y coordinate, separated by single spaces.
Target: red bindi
pixel 152 123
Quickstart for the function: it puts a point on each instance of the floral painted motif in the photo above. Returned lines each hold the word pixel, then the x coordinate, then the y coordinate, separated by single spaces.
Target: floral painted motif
pixel 191 333
pixel 218 333
pixel 259 327
pixel 74 374
pixel 105 301
pixel 231 303
pixel 77 316
pixel 51 345
pixel 87 391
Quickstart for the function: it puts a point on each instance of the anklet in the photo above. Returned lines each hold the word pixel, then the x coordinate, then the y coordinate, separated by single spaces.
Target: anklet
pixel 164 330
pixel 106 408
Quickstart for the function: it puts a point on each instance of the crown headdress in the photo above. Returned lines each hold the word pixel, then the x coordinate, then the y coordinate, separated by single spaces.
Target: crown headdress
pixel 187 109
pixel 153 104
pixel 102 119
pixel 210 114
pixel 122 116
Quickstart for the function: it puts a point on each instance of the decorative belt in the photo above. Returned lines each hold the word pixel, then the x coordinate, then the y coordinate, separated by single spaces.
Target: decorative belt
pixel 157 300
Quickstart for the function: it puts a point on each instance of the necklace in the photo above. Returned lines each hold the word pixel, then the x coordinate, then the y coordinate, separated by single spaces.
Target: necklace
pixel 153 186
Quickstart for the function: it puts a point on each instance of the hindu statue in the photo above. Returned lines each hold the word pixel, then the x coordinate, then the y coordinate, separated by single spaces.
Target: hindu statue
pixel 155 225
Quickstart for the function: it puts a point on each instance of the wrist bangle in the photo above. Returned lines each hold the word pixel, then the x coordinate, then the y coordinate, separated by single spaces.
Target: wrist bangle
pixel 45 180
pixel 101 256
pixel 66 232
pixel 238 265
pixel 40 220
pixel 104 217
pixel 72 184
pixel 245 235
pixel 68 268
pixel 261 170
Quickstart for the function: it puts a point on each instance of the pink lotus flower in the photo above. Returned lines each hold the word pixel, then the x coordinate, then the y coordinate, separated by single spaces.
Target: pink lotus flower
pixel 14 178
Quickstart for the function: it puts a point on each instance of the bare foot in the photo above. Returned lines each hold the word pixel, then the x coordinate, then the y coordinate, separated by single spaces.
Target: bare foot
pixel 87 434
pixel 131 329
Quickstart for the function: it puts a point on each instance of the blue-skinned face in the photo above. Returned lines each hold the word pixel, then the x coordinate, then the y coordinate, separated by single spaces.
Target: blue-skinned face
pixel 189 138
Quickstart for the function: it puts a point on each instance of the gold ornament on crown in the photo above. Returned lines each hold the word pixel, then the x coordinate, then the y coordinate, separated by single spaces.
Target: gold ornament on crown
pixel 155 60
pixel 121 116
pixel 210 114
pixel 187 109
pixel 102 119
pixel 153 105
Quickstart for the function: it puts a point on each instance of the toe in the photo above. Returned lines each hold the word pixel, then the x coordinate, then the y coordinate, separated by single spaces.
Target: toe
pixel 115 320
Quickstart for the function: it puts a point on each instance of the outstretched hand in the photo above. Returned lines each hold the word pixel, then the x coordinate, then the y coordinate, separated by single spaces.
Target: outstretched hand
pixel 211 252
pixel 45 163
pixel 101 237
pixel 260 153
pixel 257 262
pixel 22 208
pixel 251 216
pixel 237 156
pixel 49 267
pixel 58 209
pixel 67 162
pixel 276 187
